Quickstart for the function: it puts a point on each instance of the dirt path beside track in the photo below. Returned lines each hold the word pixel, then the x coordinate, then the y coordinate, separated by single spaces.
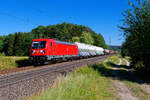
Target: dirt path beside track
pixel 127 62
pixel 143 86
pixel 124 92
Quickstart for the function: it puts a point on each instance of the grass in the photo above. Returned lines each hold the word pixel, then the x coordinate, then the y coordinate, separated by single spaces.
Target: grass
pixel 123 62
pixel 113 59
pixel 84 84
pixel 133 86
pixel 136 89
pixel 88 83
pixel 127 58
pixel 7 62
pixel 92 83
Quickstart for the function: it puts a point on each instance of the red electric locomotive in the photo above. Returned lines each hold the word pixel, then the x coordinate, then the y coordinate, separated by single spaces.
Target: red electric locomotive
pixel 43 50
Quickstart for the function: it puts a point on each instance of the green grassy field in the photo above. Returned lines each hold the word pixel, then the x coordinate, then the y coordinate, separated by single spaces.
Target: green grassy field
pixel 12 62
pixel 86 83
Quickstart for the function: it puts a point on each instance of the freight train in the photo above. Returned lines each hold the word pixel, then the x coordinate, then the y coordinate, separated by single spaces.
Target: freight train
pixel 51 50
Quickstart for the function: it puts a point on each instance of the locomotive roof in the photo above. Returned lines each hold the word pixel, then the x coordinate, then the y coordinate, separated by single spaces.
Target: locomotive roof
pixel 42 39
pixel 62 42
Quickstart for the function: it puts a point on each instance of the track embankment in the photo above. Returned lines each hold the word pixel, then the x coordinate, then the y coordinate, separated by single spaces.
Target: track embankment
pixel 16 86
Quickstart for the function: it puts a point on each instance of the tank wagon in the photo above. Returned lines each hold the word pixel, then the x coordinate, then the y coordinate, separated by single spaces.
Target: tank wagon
pixel 106 51
pixel 86 50
pixel 44 50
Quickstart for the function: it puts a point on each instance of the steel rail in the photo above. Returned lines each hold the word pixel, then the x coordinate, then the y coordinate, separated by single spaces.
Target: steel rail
pixel 52 71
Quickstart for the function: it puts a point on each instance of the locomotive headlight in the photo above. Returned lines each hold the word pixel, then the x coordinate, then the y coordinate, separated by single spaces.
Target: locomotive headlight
pixel 33 51
pixel 42 51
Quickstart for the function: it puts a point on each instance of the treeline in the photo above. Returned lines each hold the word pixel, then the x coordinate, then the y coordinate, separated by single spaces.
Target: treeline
pixel 18 44
pixel 115 48
pixel 136 28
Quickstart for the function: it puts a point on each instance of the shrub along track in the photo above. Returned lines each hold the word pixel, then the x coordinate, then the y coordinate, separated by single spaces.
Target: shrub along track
pixel 17 86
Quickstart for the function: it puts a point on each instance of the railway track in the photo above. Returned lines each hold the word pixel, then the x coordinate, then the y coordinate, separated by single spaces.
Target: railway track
pixel 8 80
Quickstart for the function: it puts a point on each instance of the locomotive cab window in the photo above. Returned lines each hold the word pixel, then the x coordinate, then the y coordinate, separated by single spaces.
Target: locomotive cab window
pixel 38 44
pixel 51 44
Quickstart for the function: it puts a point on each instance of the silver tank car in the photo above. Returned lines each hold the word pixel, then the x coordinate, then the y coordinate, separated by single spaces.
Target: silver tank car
pixel 86 50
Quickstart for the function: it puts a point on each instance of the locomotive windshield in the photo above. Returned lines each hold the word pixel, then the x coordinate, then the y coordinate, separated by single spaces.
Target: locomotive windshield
pixel 38 44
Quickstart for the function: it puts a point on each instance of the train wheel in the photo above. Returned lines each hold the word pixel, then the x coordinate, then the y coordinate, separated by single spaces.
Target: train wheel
pixel 53 61
pixel 35 63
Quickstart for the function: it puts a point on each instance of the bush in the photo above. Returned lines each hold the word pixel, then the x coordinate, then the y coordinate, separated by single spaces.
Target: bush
pixel 139 66
pixel 136 30
pixel 2 54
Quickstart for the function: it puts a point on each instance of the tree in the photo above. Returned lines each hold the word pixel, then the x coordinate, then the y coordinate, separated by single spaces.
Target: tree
pixel 39 31
pixel 1 45
pixel 2 38
pixel 86 38
pixel 124 50
pixel 9 45
pixel 75 39
pixel 99 41
pixel 136 30
pixel 19 44
pixel 28 37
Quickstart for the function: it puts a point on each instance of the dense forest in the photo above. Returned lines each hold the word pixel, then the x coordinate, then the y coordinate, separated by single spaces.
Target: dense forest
pixel 18 44
pixel 136 30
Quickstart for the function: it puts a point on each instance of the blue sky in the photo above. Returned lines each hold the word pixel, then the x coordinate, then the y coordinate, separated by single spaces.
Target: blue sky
pixel 102 16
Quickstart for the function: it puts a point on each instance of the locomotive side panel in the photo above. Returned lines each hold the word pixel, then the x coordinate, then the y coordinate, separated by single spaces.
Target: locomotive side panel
pixel 64 48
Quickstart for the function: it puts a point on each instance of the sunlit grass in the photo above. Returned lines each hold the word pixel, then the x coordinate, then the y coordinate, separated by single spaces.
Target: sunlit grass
pixel 7 62
pixel 127 58
pixel 123 62
pixel 84 84
pixel 135 87
pixel 92 83
pixel 137 90
pixel 114 59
